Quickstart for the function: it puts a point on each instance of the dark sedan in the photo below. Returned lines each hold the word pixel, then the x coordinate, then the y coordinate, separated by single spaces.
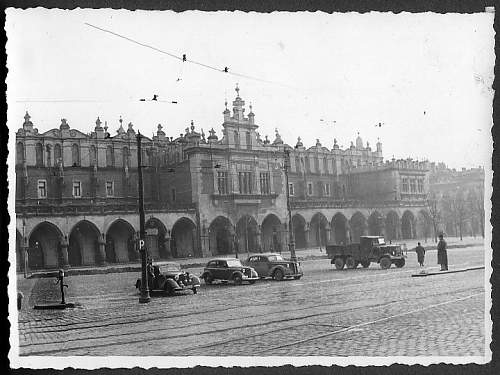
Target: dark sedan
pixel 228 269
pixel 275 266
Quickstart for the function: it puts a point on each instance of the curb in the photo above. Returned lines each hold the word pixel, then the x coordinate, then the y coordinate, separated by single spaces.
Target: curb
pixel 447 272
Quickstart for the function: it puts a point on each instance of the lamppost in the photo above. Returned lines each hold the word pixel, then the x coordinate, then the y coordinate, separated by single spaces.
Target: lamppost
pixel 25 249
pixel 144 297
pixel 291 242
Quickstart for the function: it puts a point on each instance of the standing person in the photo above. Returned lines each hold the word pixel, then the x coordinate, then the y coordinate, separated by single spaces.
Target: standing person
pixel 442 253
pixel 420 254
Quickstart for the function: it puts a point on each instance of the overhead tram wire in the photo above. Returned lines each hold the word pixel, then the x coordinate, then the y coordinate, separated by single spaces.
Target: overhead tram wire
pixel 184 58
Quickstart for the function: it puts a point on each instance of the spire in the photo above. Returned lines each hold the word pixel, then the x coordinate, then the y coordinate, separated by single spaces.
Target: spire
pixel 130 130
pixel 28 125
pixel 277 140
pixel 120 129
pixel 318 143
pixel 299 143
pixel 359 143
pixel 192 126
pixel 212 137
pixel 335 144
pixel 237 89
pixel 98 124
pixel 64 124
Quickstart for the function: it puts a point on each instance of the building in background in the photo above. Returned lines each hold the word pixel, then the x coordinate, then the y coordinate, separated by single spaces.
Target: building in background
pixel 76 193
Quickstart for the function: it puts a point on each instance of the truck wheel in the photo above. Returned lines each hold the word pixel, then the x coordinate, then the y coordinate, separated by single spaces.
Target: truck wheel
pixel 365 264
pixel 351 263
pixel 385 263
pixel 339 263
pixel 399 263
pixel 278 275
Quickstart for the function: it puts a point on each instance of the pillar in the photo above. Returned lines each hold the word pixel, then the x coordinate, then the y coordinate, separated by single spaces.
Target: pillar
pixel 258 233
pixel 102 250
pixel 348 233
pixel 63 254
pixel 307 233
pixel 328 235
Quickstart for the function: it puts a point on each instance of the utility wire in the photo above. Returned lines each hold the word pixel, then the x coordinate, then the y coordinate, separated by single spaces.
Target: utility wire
pixel 185 59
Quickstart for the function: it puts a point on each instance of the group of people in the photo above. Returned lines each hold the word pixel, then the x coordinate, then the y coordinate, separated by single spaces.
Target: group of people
pixel 442 254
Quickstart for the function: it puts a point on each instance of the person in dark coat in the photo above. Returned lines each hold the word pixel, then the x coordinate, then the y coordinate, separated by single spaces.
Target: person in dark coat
pixel 420 254
pixel 442 253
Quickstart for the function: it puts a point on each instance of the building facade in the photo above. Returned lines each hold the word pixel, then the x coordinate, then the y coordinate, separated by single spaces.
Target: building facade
pixel 76 193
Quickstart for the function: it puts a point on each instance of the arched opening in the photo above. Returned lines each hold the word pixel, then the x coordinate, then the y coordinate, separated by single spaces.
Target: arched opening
pixel 183 242
pixel 83 244
pixel 19 153
pixel 75 154
pixel 221 233
pixel 424 225
pixel 391 226
pixel 246 233
pixel 408 227
pixel 39 155
pixel 156 245
pixel 318 231
pixel 299 231
pixel 44 246
pixel 120 243
pixel 339 225
pixel 271 234
pixel 358 227
pixel 376 224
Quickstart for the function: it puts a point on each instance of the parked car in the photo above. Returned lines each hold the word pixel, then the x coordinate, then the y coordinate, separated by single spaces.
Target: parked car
pixel 170 278
pixel 275 266
pixel 228 269
pixel 369 249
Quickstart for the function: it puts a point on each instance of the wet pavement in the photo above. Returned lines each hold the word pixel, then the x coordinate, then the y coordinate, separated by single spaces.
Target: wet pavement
pixel 361 312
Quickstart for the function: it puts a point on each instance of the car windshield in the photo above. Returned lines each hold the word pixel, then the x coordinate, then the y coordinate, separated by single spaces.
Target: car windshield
pixel 171 267
pixel 378 241
pixel 234 263
pixel 274 258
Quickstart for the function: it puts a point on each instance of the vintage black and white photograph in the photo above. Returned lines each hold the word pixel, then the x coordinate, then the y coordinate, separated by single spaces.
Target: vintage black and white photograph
pixel 230 188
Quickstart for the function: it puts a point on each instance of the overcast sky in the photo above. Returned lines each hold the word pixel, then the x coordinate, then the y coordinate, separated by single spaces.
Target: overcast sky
pixel 425 77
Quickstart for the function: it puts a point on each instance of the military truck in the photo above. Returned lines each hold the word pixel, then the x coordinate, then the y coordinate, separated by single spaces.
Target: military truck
pixel 369 249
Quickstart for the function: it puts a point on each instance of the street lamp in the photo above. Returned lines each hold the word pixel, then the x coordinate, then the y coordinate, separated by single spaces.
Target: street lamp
pixel 291 242
pixel 144 297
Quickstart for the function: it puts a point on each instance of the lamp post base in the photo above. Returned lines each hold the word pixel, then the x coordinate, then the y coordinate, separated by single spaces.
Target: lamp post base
pixel 144 299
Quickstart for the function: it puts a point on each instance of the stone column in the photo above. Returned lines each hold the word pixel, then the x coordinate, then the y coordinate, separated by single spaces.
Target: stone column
pixel 258 233
pixel 328 235
pixel 204 241
pixel 348 238
pixel 102 250
pixel 307 234
pixel 63 254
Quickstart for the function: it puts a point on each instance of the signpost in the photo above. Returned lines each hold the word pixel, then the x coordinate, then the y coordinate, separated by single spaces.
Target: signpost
pixel 144 298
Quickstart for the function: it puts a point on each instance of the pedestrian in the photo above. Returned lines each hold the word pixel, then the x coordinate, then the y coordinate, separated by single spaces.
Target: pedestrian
pixel 442 254
pixel 420 254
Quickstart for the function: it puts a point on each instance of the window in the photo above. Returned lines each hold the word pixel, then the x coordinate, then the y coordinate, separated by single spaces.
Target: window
pixel 420 185
pixel 316 165
pixel 245 182
pixel 236 140
pixel 93 156
pixel 222 183
pixel 57 153
pixel 110 188
pixel 291 190
pixel 297 164
pixel 77 189
pixel 309 188
pixel 413 187
pixel 327 190
pixel 405 185
pixel 75 153
pixel 20 153
pixel 110 159
pixel 42 188
pixel 125 158
pixel 325 165
pixel 48 151
pixel 173 194
pixel 264 183
pixel 248 141
pixel 307 165
pixel 39 154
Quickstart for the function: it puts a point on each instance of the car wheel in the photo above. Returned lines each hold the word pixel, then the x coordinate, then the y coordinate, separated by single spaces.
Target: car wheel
pixel 365 264
pixel 195 291
pixel 209 279
pixel 251 281
pixel 351 263
pixel 278 275
pixel 385 263
pixel 169 290
pixel 339 263
pixel 400 263
pixel 237 279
